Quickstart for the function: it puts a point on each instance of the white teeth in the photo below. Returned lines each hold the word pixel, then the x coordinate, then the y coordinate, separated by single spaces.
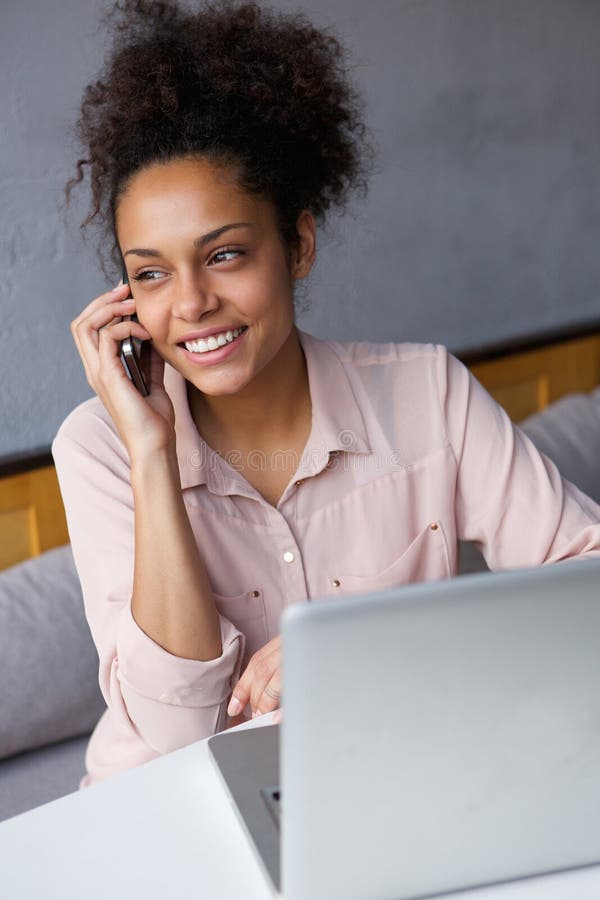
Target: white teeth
pixel 213 342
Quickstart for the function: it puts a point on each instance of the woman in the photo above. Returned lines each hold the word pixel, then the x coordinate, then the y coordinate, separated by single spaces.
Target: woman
pixel 266 466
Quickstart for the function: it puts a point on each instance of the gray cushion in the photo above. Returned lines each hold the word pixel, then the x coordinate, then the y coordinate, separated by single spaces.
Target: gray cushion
pixel 568 431
pixel 48 663
pixel 39 776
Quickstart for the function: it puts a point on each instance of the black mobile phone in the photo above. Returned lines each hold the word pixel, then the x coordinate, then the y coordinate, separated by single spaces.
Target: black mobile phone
pixel 135 355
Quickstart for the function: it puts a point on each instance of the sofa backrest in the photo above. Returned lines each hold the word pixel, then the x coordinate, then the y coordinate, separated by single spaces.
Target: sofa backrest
pixel 48 662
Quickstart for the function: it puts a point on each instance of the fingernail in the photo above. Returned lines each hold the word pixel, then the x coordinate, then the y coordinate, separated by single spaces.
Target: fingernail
pixel 255 714
pixel 234 707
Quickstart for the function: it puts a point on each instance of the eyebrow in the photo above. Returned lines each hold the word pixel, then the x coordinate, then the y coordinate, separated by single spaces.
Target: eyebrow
pixel 198 243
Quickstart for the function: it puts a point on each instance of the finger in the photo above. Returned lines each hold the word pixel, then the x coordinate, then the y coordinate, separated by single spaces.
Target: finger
pixel 278 716
pixel 118 331
pixel 85 332
pixel 241 692
pixel 265 674
pixel 101 315
pixel 104 314
pixel 270 698
pixel 240 696
pixel 111 336
pixel 109 349
pixel 117 293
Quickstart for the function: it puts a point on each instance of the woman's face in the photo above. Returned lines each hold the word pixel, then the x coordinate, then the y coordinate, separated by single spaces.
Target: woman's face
pixel 204 255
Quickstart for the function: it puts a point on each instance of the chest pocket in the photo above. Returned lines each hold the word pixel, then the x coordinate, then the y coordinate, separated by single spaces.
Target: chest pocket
pixel 247 612
pixel 425 559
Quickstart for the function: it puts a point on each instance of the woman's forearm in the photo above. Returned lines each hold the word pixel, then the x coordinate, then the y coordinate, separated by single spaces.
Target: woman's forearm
pixel 172 598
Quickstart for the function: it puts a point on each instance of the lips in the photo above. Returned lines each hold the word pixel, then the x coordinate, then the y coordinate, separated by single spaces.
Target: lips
pixel 204 335
pixel 216 356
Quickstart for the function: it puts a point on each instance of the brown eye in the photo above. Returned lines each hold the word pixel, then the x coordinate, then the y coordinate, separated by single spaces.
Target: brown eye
pixel 225 251
pixel 145 276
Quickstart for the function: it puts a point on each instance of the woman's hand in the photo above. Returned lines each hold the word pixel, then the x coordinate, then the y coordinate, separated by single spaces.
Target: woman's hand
pixel 260 684
pixel 144 423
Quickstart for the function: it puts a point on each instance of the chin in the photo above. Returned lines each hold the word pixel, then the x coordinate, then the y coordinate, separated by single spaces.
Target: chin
pixel 226 388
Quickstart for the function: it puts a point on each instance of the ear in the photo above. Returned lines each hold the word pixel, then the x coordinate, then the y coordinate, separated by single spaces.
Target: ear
pixel 305 251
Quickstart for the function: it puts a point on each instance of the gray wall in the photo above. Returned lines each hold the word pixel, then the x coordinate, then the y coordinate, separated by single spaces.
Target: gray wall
pixel 482 224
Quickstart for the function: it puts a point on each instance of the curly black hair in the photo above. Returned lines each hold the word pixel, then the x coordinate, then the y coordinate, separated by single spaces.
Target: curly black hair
pixel 232 82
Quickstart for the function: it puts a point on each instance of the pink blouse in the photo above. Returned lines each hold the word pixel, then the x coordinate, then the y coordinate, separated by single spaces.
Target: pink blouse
pixel 407 454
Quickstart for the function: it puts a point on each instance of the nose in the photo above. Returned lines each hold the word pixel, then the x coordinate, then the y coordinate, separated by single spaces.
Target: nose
pixel 192 299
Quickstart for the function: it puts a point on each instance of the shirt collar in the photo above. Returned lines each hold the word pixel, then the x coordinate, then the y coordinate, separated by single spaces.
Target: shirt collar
pixel 337 421
pixel 337 418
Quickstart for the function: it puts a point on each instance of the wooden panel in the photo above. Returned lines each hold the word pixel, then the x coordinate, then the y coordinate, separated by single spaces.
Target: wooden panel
pixel 17 537
pixel 525 383
pixel 522 397
pixel 32 517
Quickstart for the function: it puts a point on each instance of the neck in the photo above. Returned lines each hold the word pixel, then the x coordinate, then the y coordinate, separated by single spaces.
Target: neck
pixel 239 420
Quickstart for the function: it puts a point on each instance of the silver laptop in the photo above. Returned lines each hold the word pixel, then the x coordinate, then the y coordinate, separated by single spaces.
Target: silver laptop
pixel 436 737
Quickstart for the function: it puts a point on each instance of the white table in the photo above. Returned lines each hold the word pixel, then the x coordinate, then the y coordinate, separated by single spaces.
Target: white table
pixel 167 829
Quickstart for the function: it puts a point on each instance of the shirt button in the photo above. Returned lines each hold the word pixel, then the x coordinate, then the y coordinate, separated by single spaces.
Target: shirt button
pixel 434 526
pixel 288 556
pixel 336 582
pixel 300 480
pixel 255 593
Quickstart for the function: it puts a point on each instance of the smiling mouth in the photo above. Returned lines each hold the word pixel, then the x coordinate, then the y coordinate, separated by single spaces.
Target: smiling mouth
pixel 208 345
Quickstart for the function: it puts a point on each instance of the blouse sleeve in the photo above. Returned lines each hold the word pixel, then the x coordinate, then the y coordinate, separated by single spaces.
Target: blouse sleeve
pixel 511 500
pixel 158 700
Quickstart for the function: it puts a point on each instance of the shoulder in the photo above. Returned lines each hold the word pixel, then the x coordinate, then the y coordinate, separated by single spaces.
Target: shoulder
pixel 411 365
pixel 363 354
pixel 405 385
